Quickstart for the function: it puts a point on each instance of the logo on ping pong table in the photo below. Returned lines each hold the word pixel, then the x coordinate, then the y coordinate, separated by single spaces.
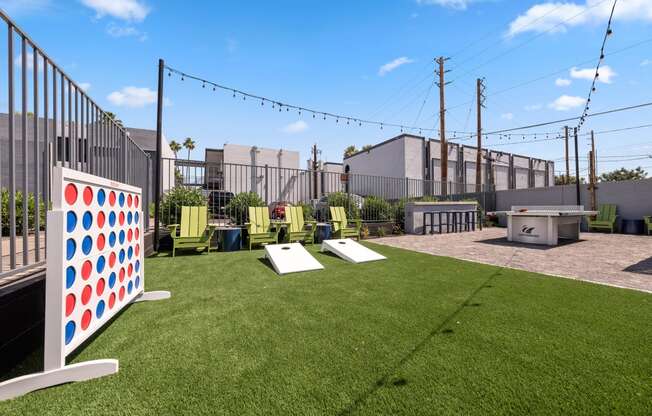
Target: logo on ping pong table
pixel 527 231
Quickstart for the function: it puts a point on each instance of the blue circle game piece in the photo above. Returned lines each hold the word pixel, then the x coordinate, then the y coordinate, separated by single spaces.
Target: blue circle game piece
pixel 70 248
pixel 101 262
pixel 101 197
pixel 122 237
pixel 137 266
pixel 87 220
pixel 70 277
pixel 130 252
pixel 71 221
pixel 129 218
pixel 111 280
pixel 121 256
pixel 70 331
pixel 137 282
pixel 112 219
pixel 112 239
pixel 130 287
pixel 99 310
pixel 87 244
pixel 136 217
pixel 121 199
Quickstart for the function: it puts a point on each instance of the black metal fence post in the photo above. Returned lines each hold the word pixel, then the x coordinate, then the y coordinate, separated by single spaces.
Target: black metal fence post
pixel 159 137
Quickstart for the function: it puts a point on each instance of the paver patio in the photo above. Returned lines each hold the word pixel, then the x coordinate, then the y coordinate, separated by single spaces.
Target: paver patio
pixel 610 259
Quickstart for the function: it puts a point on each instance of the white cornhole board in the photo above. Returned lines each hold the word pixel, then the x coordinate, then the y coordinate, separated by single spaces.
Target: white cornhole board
pixel 291 258
pixel 350 250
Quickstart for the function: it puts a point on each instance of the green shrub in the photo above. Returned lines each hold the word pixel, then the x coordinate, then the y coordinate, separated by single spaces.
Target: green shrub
pixel 381 231
pixel 237 207
pixel 4 195
pixel 399 208
pixel 341 199
pixel 177 197
pixel 308 213
pixel 376 209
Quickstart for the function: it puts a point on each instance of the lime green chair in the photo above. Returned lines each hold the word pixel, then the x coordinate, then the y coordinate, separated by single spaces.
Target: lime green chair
pixel 193 230
pixel 340 225
pixel 260 228
pixel 648 224
pixel 606 218
pixel 296 226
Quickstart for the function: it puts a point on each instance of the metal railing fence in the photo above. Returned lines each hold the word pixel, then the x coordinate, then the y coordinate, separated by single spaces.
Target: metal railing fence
pixel 50 121
pixel 229 188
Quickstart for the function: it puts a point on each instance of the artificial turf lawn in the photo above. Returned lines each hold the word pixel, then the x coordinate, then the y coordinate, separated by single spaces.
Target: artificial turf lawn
pixel 415 334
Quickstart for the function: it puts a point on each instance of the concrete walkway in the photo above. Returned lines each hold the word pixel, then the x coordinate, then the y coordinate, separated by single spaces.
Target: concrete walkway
pixel 609 259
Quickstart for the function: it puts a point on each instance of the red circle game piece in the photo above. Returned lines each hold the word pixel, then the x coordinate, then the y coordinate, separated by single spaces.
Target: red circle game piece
pixel 121 275
pixel 70 304
pixel 112 198
pixel 71 194
pixel 86 319
pixel 87 292
pixel 88 195
pixel 136 201
pixel 111 300
pixel 101 241
pixel 87 267
pixel 99 288
pixel 130 270
pixel 137 233
pixel 121 294
pixel 130 235
pixel 101 219
pixel 137 250
pixel 121 218
pixel 112 259
pixel 129 200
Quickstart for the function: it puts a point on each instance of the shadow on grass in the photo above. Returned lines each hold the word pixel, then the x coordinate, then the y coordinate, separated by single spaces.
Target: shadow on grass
pixel 502 241
pixel 266 262
pixel 440 329
pixel 642 267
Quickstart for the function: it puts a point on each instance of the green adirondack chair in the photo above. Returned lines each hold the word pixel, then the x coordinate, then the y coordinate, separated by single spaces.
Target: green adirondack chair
pixel 260 228
pixel 193 230
pixel 296 226
pixel 341 227
pixel 648 224
pixel 606 218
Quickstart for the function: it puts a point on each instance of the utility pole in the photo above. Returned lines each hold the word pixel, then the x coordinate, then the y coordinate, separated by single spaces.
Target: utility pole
pixel 157 165
pixel 592 186
pixel 478 158
pixel 442 125
pixel 577 169
pixel 314 170
pixel 566 153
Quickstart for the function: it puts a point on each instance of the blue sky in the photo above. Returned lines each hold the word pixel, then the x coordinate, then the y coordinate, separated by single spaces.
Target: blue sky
pixel 368 59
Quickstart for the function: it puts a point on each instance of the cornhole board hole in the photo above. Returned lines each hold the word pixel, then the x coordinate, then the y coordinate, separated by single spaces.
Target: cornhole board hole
pixel 291 258
pixel 350 250
pixel 95 268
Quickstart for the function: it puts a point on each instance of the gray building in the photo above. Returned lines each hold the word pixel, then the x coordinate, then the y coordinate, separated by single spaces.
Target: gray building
pixel 418 158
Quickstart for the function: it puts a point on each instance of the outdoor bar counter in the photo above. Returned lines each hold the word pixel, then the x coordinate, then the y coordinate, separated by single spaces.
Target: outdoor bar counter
pixel 414 214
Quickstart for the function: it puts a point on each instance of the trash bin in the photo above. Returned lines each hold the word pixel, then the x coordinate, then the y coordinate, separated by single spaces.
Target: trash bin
pixel 323 232
pixel 230 238
pixel 632 227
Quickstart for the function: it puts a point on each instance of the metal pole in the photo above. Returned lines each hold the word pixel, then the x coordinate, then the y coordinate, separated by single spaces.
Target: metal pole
pixel 12 149
pixel 159 137
pixel 478 157
pixel 442 127
pixel 566 154
pixel 23 126
pixel 577 168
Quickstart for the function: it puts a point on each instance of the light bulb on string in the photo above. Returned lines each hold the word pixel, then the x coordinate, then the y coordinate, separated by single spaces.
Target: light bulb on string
pixel 233 93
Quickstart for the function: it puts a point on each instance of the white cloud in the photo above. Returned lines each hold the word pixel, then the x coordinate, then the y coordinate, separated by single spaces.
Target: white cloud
pixel 452 4
pixel 130 10
pixel 646 62
pixel 390 66
pixel 16 7
pixel 85 86
pixel 232 45
pixel 557 17
pixel 567 102
pixel 296 127
pixel 507 116
pixel 125 31
pixel 133 97
pixel 533 107
pixel 30 62
pixel 562 82
pixel 606 74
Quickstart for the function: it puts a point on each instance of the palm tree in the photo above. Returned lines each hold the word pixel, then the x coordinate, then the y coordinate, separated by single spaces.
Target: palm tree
pixel 175 147
pixel 189 144
pixel 111 116
pixel 367 147
pixel 350 150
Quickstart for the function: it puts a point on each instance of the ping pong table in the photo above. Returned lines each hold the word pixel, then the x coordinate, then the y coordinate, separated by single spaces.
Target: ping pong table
pixel 545 224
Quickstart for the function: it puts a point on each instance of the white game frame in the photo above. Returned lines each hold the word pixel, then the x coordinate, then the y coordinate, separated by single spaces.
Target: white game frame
pixel 56 349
